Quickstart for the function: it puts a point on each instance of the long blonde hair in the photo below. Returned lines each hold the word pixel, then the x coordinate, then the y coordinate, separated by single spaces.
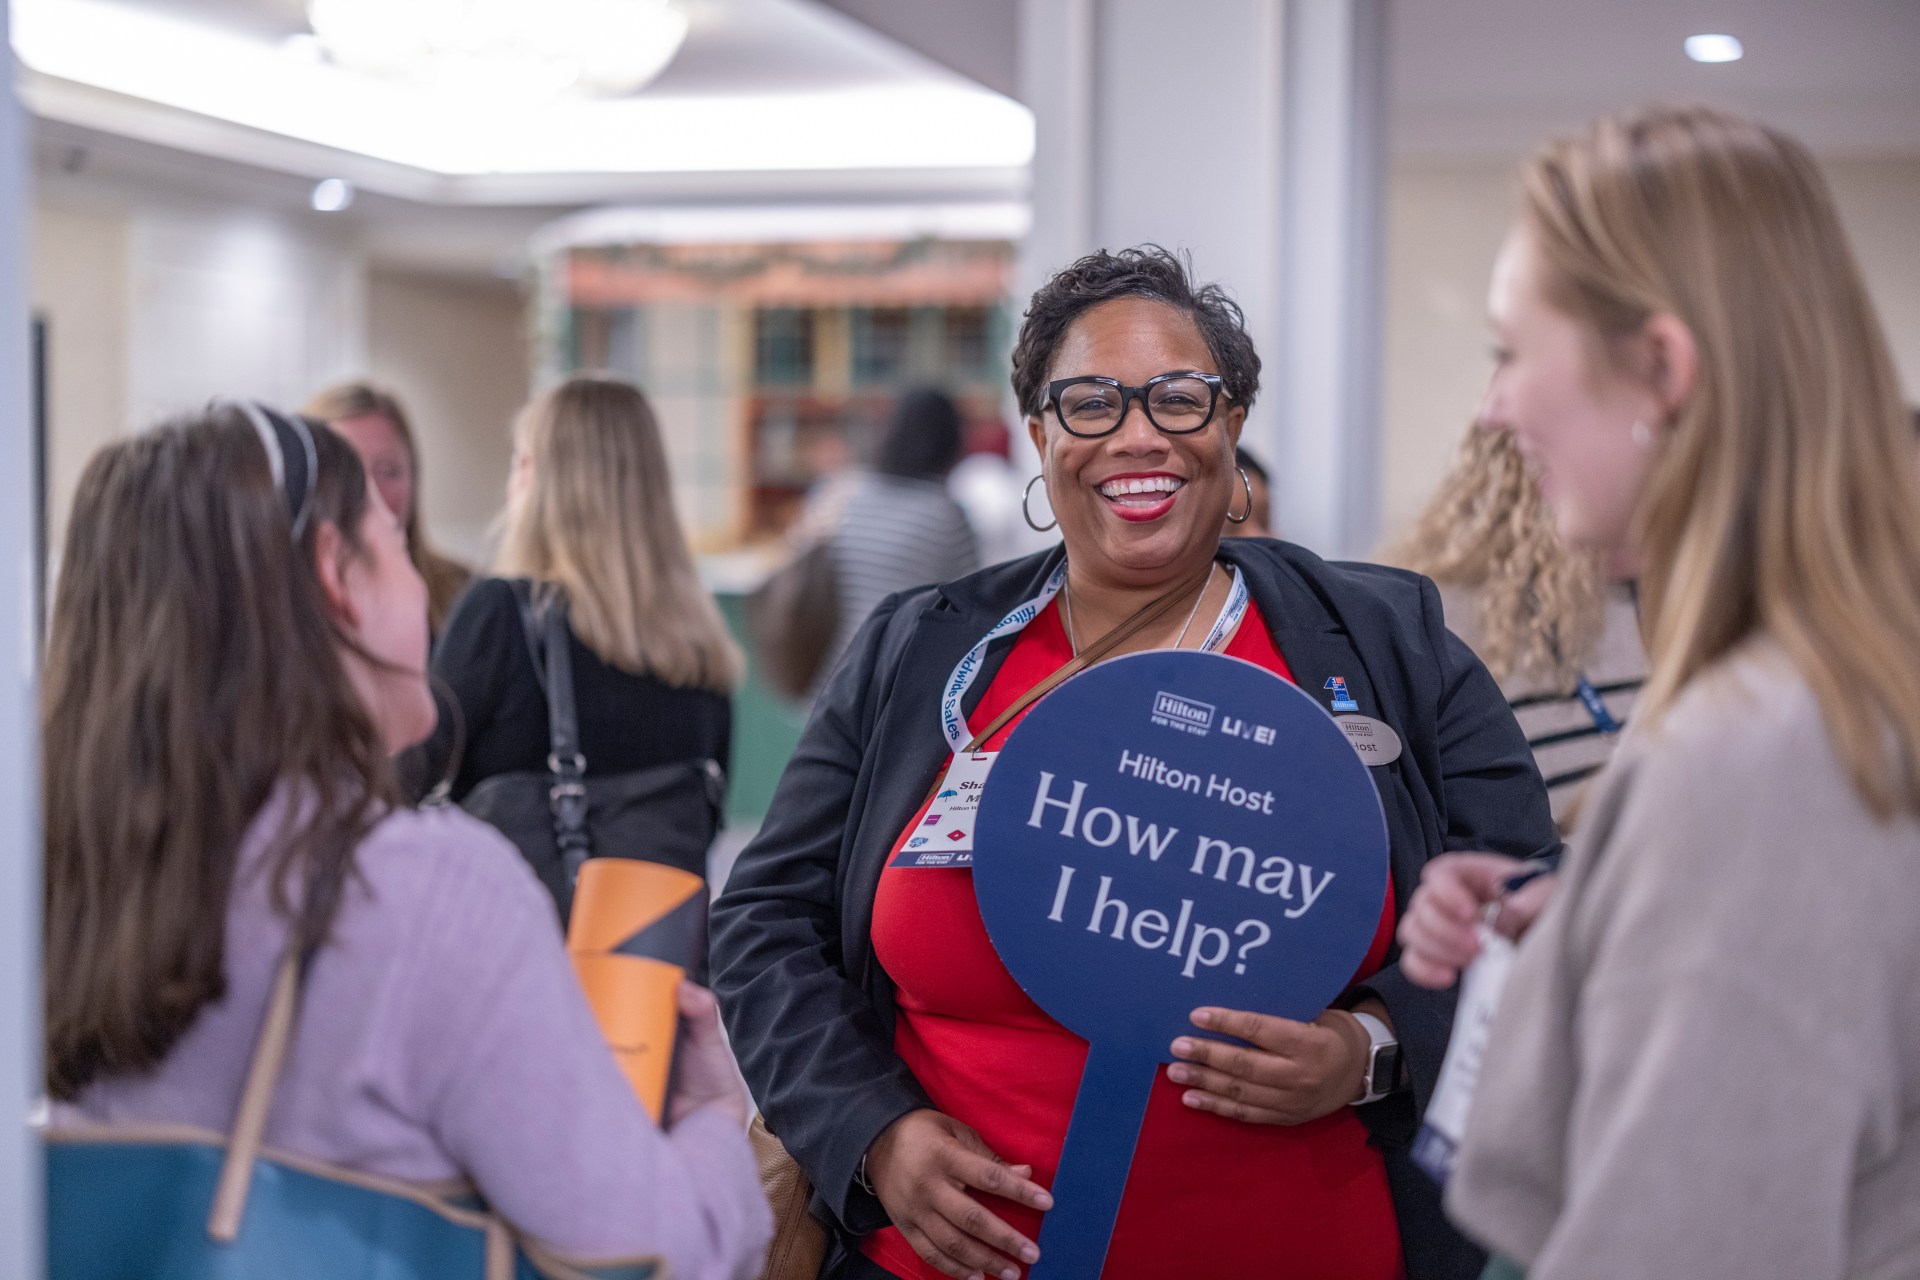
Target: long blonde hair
pixel 596 517
pixel 1784 497
pixel 1487 529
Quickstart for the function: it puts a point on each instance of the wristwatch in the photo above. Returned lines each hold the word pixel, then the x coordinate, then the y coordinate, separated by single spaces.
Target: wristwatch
pixel 1383 1060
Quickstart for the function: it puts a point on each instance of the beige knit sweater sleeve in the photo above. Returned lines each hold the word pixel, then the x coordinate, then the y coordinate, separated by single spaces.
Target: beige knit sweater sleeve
pixel 1708 1061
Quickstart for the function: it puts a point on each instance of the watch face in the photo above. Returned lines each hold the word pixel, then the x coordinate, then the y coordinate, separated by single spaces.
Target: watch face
pixel 1384 1068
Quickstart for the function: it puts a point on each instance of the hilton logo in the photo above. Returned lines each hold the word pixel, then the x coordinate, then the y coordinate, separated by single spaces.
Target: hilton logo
pixel 1183 714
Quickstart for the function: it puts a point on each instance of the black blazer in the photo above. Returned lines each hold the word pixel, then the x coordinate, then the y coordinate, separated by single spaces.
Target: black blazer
pixel 811 1015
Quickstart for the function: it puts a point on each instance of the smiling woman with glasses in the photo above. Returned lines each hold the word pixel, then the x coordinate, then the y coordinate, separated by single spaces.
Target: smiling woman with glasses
pixel 917 1086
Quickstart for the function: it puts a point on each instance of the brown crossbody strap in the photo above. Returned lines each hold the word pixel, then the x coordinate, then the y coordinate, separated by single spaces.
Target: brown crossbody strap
pixel 1145 616
pixel 256 1096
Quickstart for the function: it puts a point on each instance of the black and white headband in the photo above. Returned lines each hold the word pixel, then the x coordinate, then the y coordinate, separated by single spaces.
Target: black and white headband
pixel 290 453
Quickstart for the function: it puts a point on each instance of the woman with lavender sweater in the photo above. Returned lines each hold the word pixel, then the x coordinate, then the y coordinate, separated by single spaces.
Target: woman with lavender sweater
pixel 238 647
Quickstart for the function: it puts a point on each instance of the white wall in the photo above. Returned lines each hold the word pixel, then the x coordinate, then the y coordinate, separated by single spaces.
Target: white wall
pixel 156 303
pixel 456 353
pixel 1444 225
pixel 1445 221
pixel 80 289
pixel 1880 203
pixel 237 302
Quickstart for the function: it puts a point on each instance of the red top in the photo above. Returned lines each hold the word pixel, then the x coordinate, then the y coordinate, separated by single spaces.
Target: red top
pixel 1308 1202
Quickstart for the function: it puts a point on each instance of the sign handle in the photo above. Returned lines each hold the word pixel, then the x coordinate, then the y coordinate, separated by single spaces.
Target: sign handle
pixel 1101 1136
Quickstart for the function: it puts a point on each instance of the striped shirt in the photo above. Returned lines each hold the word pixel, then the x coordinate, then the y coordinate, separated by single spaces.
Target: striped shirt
pixel 1570 741
pixel 894 534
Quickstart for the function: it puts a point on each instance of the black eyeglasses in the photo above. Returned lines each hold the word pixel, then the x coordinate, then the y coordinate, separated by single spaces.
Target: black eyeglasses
pixel 1177 404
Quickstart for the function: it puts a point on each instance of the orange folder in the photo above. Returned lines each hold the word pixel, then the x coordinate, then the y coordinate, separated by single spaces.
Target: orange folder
pixel 637 929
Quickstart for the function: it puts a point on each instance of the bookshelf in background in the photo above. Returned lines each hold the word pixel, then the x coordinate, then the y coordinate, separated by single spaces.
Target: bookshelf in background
pixel 771 365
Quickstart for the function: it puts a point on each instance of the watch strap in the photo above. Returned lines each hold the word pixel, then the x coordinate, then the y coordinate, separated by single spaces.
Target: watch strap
pixel 1383 1059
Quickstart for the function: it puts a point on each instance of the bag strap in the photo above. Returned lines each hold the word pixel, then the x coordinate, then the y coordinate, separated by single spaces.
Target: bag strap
pixel 548 641
pixel 567 795
pixel 1145 616
pixel 250 1122
pixel 256 1097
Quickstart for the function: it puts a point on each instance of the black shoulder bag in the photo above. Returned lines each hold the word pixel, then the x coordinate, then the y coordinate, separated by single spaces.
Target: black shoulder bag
pixel 666 813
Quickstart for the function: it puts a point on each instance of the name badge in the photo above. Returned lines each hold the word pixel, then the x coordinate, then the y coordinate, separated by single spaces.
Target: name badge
pixel 944 837
pixel 1374 740
pixel 1446 1122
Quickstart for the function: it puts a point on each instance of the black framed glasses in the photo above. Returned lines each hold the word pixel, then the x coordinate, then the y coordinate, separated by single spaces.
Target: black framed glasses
pixel 1177 404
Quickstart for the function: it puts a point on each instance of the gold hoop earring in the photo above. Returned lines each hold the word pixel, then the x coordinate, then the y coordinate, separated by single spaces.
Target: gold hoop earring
pixel 1246 484
pixel 1025 496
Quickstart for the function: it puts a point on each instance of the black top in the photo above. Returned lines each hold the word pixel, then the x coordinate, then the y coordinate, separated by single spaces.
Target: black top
pixel 627 721
pixel 811 1017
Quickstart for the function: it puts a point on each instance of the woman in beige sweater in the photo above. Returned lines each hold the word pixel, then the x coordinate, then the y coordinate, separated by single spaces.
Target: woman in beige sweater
pixel 1707 1061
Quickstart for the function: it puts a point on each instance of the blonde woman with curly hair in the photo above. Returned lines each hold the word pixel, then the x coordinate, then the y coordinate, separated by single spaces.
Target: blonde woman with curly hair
pixel 1562 640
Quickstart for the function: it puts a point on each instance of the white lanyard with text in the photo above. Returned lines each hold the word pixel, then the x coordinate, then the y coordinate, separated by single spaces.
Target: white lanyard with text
pixel 953 721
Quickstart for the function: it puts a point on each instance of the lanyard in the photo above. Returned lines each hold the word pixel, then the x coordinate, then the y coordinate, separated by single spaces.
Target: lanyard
pixel 1602 718
pixel 953 721
pixel 1230 615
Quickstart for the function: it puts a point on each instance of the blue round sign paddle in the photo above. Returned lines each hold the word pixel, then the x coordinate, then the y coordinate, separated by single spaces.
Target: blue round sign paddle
pixel 1164 831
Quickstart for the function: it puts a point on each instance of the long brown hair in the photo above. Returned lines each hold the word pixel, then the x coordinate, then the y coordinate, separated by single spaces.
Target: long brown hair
pixel 193 668
pixel 1784 497
pixel 1487 529
pixel 446 578
pixel 597 518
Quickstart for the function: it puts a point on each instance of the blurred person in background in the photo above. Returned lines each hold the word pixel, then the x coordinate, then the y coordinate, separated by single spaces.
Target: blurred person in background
pixel 987 488
pixel 1706 1060
pixel 234 569
pixel 590 520
pixel 1253 478
pixel 373 422
pixel 899 526
pixel 1562 640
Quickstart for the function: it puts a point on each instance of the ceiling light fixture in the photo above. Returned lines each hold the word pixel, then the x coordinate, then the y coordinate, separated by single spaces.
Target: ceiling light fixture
pixel 331 195
pixel 908 124
pixel 581 48
pixel 1715 48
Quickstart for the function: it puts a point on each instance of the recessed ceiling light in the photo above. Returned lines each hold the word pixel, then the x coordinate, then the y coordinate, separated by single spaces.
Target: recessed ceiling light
pixel 331 195
pixel 1714 48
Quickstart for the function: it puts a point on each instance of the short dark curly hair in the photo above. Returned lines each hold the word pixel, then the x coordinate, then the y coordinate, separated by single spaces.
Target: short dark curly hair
pixel 1144 271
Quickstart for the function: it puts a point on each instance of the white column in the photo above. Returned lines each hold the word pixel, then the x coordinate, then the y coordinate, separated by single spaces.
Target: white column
pixel 20 1216
pixel 1326 372
pixel 1213 127
pixel 1057 81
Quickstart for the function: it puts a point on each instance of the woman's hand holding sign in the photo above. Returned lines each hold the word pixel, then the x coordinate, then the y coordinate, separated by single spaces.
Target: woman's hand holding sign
pixel 923 1167
pixel 1295 1071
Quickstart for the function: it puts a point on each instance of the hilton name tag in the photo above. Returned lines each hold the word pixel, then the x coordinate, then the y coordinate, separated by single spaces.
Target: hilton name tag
pixel 1374 740
pixel 944 837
